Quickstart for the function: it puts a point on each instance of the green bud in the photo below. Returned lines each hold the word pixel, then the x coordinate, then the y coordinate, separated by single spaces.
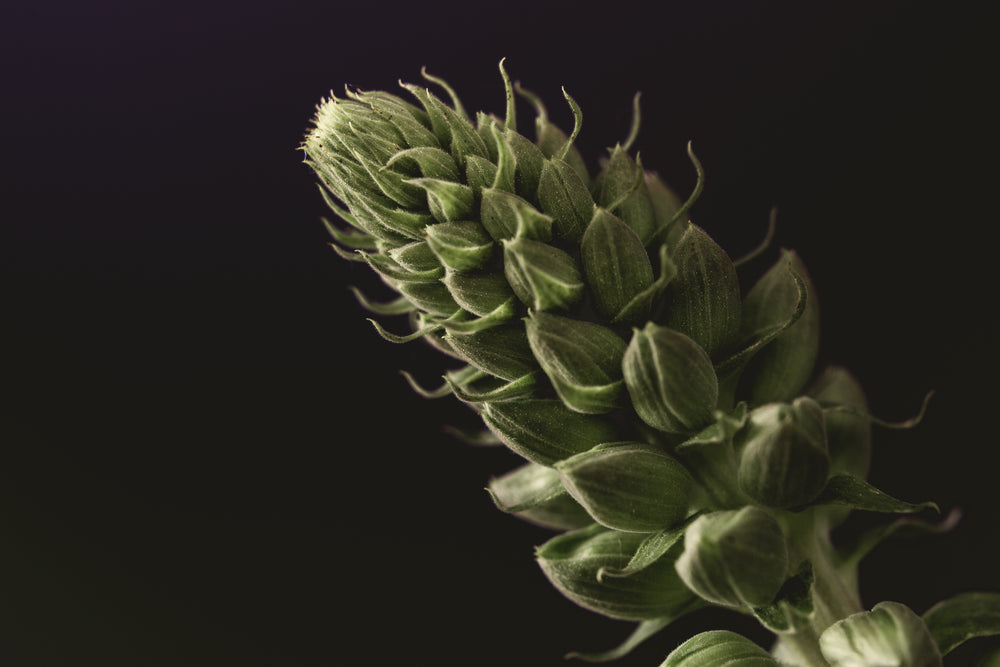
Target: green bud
pixel 735 558
pixel 418 258
pixel 544 430
pixel 616 263
pixel 505 215
pixel 719 648
pixel 848 436
pixel 582 360
pixel 890 634
pixel 670 380
pixel 542 276
pixel 529 160
pixel 501 351
pixel 534 492
pixel 621 189
pixel 628 486
pixel 480 293
pixel 451 127
pixel 563 194
pixel 448 201
pixel 780 370
pixel 431 297
pixel 666 204
pixel 572 561
pixel 425 161
pixel 480 173
pixel 783 453
pixel 462 246
pixel 704 297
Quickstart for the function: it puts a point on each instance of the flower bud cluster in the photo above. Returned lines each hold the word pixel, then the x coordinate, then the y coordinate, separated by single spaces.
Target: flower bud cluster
pixel 605 339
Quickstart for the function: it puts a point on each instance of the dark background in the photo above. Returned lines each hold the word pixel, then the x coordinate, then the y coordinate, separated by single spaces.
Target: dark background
pixel 207 456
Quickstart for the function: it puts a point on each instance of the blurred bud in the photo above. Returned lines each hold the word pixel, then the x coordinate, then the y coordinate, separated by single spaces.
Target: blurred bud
pixel 545 430
pixel 628 486
pixel 571 562
pixel 542 276
pixel 670 380
pixel 890 634
pixel 704 297
pixel 616 263
pixel 582 360
pixel 736 558
pixel 783 453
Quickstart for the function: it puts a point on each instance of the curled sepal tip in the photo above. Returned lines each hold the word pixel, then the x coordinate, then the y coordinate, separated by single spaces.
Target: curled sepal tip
pixel 890 634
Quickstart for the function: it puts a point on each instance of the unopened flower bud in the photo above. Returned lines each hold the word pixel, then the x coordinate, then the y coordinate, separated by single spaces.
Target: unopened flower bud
pixel 616 263
pixel 544 430
pixel 582 360
pixel 783 453
pixel 505 215
pixel 501 351
pixel 617 191
pixel 736 558
pixel 890 634
pixel 670 380
pixel 543 276
pixel 563 194
pixel 462 246
pixel 628 486
pixel 572 561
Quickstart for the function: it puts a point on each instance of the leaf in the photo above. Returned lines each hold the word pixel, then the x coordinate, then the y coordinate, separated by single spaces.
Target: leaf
pixel 851 491
pixel 962 617
pixel 719 648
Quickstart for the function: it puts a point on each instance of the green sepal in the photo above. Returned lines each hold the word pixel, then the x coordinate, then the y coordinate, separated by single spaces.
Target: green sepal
pixel 735 558
pixel 670 380
pixel 666 206
pixel 890 634
pixel 389 268
pixel 529 160
pixel 962 617
pixel 564 195
pixel 417 258
pixel 453 130
pixel 534 493
pixel 460 323
pixel 719 648
pixel 402 223
pixel 506 215
pixel 621 188
pixel 448 201
pixel 542 276
pixel 638 309
pixel 431 297
pixel 502 351
pixel 393 185
pixel 480 173
pixel 428 162
pixel 783 460
pixel 704 298
pixel 572 560
pixel 409 121
pixel 551 140
pixel 480 293
pixel 545 431
pixel 851 491
pixel 495 389
pixel 615 262
pixel 782 368
pixel 398 306
pixel 460 245
pixel 628 486
pixel 792 605
pixel 711 458
pixel 651 550
pixel 583 361
pixel 848 436
pixel 643 631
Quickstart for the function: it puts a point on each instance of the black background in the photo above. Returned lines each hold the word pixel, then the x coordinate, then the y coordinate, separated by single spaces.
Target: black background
pixel 207 456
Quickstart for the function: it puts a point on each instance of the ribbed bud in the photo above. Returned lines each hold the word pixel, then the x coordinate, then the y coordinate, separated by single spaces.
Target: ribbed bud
pixel 783 453
pixel 890 634
pixel 544 430
pixel 534 493
pixel 670 380
pixel 719 648
pixel 848 436
pixel 621 189
pixel 417 258
pixel 628 486
pixel 505 215
pixel 615 261
pixel 529 161
pixel 666 204
pixel 581 359
pixel 563 194
pixel 480 293
pixel 462 246
pixel 501 351
pixel 572 561
pixel 781 370
pixel 735 558
pixel 704 297
pixel 543 277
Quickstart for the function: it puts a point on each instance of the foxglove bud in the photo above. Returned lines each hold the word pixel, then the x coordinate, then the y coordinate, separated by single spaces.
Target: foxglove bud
pixel 704 297
pixel 616 263
pixel 461 246
pixel 780 370
pixel 666 204
pixel 505 215
pixel 543 277
pixel 418 258
pixel 582 360
pixel 628 486
pixel 545 430
pixel 890 634
pixel 848 436
pixel 736 558
pixel 480 293
pixel 783 453
pixel 617 191
pixel 572 561
pixel 670 380
pixel 563 194
pixel 501 351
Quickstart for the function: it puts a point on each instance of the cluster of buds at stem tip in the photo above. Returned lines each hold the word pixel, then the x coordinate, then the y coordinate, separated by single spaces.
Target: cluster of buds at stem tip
pixel 667 418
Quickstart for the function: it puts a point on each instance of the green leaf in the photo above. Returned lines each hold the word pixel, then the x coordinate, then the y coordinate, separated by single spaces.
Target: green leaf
pixel 889 634
pixel 851 491
pixel 719 648
pixel 962 617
